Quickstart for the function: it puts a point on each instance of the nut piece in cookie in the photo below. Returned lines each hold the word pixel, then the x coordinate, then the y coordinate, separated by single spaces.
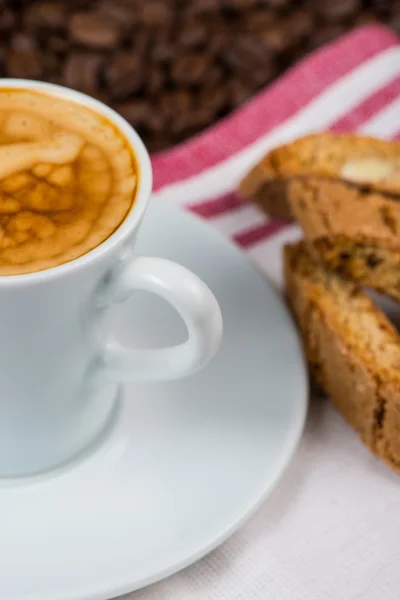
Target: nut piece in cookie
pixel 369 262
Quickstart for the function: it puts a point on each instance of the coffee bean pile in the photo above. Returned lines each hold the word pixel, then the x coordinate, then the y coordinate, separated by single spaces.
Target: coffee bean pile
pixel 172 67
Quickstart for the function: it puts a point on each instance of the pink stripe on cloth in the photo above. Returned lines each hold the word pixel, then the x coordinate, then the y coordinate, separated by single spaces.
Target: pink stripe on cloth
pixel 256 234
pixel 217 206
pixel 369 107
pixel 271 107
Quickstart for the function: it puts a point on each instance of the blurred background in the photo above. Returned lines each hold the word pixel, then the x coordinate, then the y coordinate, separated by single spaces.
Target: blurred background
pixel 172 67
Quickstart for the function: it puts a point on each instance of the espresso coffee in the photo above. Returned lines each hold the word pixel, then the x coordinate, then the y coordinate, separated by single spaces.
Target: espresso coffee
pixel 67 180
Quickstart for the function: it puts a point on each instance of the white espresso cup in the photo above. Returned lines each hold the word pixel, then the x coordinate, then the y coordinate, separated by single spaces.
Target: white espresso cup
pixel 60 372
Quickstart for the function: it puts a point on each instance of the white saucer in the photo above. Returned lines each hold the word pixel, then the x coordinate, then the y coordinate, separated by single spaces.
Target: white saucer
pixel 186 463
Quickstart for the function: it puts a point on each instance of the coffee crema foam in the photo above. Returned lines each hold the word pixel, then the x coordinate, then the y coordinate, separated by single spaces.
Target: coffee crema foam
pixel 67 180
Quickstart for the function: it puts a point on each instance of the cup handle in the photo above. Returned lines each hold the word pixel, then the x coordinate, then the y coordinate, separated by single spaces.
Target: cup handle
pixel 194 302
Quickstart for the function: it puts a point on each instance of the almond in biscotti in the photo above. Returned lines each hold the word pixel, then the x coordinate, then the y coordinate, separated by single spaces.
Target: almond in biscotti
pixel 364 162
pixel 368 171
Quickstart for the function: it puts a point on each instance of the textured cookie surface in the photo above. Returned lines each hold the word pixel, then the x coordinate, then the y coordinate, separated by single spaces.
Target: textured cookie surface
pixel 352 348
pixel 363 161
pixel 328 207
pixel 369 262
pixel 354 232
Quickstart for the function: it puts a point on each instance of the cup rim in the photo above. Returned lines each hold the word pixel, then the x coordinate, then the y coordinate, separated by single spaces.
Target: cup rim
pixel 143 191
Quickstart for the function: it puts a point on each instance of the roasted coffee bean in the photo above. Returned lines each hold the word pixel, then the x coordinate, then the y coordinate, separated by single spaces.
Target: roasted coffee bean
pixel 159 142
pixel 2 57
pixel 178 115
pixel 154 12
pixel 298 25
pixel 263 75
pixel 258 20
pixel 200 117
pixel 8 19
pixel 219 43
pixel 23 42
pixel 101 96
pixel 203 6
pixel 51 63
pixel 94 31
pixel 279 4
pixel 215 75
pixel 189 68
pixel 49 14
pixel 173 103
pixel 124 75
pixel 163 50
pixel 383 8
pixel 141 114
pixel 154 80
pixel 140 42
pixel 275 38
pixel 216 98
pixel 156 122
pixel 337 10
pixel 193 34
pixel 395 22
pixel 119 12
pixel 366 18
pixel 136 112
pixel 81 71
pixel 239 5
pixel 24 63
pixel 55 78
pixel 247 55
pixel 181 123
pixel 239 92
pixel 57 44
pixel 326 34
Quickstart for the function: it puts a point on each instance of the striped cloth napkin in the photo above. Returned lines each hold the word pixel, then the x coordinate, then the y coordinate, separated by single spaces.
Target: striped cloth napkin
pixel 331 530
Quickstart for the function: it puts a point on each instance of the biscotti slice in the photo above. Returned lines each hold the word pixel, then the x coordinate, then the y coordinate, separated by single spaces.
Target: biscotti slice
pixel 365 162
pixel 326 207
pixel 369 262
pixel 353 348
pixel 354 233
